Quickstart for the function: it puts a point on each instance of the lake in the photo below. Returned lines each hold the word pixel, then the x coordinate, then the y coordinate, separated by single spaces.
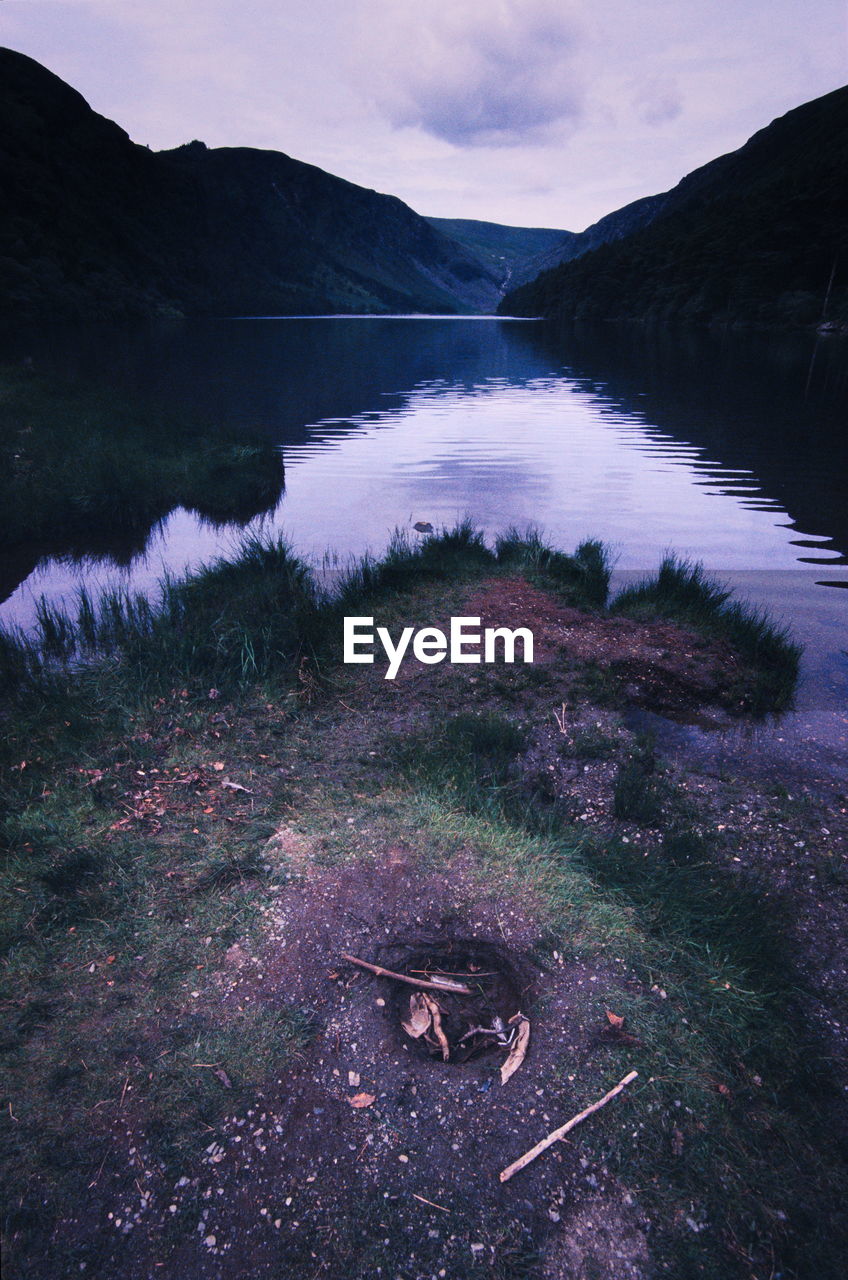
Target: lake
pixel 728 448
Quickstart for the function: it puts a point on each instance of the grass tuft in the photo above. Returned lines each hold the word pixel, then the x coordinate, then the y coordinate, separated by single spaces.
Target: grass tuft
pixel 583 578
pixel 684 592
pixel 451 553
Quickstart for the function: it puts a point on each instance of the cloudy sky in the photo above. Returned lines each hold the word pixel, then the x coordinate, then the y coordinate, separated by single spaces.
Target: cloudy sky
pixel 531 112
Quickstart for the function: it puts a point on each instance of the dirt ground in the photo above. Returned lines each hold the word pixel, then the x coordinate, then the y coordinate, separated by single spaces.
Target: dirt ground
pixel 369 1149
pixel 371 1157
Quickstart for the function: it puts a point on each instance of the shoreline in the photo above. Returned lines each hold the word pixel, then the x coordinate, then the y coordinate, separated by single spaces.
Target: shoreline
pixel 191 847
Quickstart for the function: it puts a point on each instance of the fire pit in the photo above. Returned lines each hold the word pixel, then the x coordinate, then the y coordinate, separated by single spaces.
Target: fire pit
pixel 462 997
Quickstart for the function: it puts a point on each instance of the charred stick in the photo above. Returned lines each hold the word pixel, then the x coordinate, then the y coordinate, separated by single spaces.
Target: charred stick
pixel 458 988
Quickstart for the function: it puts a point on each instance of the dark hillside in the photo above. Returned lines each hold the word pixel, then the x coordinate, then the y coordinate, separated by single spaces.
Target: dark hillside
pixel 93 225
pixel 613 226
pixel 759 236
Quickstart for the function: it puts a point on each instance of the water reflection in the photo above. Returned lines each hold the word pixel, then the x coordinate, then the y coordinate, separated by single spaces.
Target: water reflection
pixel 766 413
pixel 722 446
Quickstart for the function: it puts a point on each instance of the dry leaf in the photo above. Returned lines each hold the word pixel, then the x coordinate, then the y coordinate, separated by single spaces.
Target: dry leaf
pixel 223 1077
pixel 362 1099
pixel 436 1015
pixel 419 1016
pixel 518 1052
pixel 235 786
pixel 614 1020
pixel 218 766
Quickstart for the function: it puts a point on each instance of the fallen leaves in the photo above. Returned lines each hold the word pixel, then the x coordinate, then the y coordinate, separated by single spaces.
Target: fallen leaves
pixel 419 1017
pixel 614 1031
pixel 425 1019
pixel 360 1100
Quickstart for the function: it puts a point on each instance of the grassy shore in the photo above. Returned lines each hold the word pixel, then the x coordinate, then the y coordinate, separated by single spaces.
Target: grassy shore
pixel 202 816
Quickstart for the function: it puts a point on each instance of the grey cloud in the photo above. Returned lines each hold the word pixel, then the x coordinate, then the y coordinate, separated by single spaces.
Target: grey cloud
pixel 658 102
pixel 473 73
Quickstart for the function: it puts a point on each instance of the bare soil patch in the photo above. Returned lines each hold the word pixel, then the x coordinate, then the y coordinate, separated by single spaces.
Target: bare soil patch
pixel 374 1157
pixel 659 665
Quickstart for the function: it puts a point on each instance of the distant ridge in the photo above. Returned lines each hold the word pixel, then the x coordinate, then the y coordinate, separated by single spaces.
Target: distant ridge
pixel 514 254
pixel 758 236
pixel 92 225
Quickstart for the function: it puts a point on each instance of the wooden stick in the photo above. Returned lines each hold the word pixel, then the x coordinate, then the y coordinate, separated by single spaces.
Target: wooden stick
pixel 431 1203
pixel 456 987
pixel 530 1155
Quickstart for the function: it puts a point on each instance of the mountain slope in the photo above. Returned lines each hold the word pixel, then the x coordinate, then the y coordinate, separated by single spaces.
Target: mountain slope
pixel 757 236
pixel 92 225
pixel 613 226
pixel 514 254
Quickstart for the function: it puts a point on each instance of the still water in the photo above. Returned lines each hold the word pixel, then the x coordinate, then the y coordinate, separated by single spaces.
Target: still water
pixel 728 449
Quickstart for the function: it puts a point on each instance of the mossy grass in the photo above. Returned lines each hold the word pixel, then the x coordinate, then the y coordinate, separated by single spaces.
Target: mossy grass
pixel 639 791
pixel 684 592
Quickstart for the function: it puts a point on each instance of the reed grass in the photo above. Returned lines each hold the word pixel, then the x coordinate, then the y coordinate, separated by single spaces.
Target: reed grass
pixel 684 592
pixel 583 577
pixel 449 553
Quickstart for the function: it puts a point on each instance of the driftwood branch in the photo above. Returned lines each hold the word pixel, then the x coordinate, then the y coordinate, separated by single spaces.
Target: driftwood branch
pixel 457 987
pixel 530 1155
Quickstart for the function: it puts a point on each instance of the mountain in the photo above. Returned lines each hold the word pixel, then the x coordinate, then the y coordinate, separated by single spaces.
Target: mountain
pixel 614 226
pixel 520 254
pixel 759 236
pixel 92 225
pixel 513 254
